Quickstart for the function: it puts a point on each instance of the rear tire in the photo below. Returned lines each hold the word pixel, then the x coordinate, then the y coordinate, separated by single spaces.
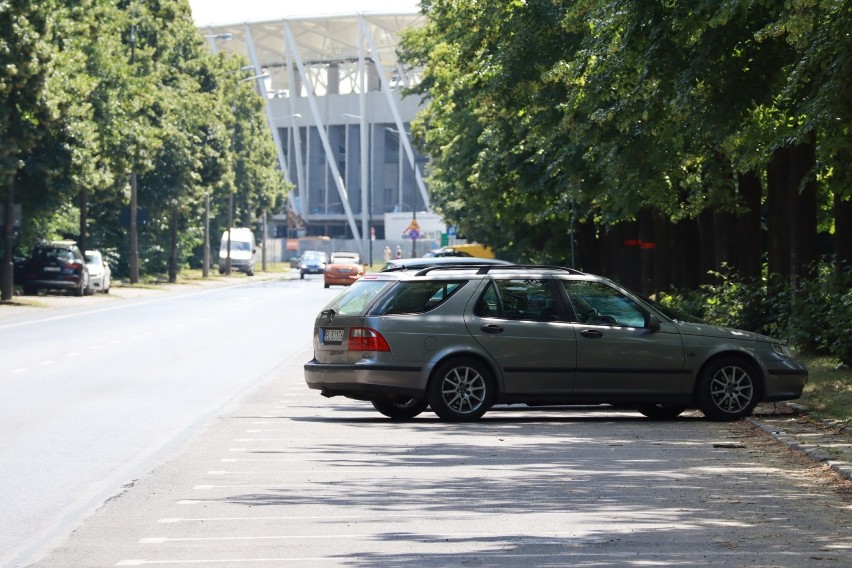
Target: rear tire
pixel 400 407
pixel 728 389
pixel 661 411
pixel 461 390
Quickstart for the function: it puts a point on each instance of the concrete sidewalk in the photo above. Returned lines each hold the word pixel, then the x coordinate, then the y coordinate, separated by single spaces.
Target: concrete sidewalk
pixel 824 441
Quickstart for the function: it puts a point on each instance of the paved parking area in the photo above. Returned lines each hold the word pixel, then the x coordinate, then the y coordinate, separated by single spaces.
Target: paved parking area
pixel 288 478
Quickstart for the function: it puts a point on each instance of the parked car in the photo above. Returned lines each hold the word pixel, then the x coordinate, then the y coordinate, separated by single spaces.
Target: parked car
pixel 99 271
pixel 460 340
pixel 241 252
pixel 56 265
pixel 425 262
pixel 446 251
pixel 343 269
pixel 312 262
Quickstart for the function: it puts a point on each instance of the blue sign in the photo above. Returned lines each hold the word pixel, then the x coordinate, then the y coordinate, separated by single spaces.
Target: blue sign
pixel 451 230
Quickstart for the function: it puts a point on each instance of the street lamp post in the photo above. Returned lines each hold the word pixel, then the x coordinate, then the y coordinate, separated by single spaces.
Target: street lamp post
pixel 365 189
pixel 205 269
pixel 231 192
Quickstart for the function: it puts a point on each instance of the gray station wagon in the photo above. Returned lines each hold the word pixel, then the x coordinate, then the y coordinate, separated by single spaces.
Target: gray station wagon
pixel 460 340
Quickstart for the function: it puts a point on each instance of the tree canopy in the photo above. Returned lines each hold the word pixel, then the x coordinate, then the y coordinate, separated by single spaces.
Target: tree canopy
pixel 598 123
pixel 95 92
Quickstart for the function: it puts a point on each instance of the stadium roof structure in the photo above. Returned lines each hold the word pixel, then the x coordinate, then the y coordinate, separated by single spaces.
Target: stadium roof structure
pixel 318 43
pixel 326 70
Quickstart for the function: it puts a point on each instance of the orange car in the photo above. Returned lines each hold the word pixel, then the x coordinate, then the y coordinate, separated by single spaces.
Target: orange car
pixel 343 269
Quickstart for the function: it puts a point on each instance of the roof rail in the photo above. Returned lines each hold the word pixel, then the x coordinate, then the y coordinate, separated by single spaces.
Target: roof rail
pixel 467 265
pixel 486 268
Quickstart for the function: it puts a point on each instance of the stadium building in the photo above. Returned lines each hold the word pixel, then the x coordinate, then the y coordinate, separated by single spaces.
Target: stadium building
pixel 334 104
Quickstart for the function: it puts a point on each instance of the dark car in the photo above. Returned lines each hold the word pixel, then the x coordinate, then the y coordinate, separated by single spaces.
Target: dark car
pixel 312 262
pixel 398 264
pixel 57 265
pixel 446 251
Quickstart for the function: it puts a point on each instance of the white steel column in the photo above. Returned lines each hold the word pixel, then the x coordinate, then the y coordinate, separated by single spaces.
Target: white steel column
pixel 302 209
pixel 331 162
pixel 276 137
pixel 392 104
pixel 366 190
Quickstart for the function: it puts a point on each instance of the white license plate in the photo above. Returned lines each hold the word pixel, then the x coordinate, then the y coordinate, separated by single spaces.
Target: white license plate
pixel 51 269
pixel 332 336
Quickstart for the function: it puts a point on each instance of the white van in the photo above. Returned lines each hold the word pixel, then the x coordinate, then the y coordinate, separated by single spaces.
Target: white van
pixel 242 250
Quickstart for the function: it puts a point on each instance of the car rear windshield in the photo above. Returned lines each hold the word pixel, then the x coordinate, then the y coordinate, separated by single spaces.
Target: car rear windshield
pixel 358 297
pixel 418 297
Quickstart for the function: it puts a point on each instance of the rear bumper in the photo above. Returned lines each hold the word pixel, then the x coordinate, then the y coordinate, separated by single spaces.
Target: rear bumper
pixel 363 380
pixel 344 280
pixel 53 284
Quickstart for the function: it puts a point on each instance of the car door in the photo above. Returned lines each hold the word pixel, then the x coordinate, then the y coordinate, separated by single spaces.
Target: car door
pixel 617 352
pixel 522 324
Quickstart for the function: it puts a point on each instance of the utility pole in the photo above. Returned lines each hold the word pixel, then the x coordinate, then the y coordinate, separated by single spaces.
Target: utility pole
pixel 134 240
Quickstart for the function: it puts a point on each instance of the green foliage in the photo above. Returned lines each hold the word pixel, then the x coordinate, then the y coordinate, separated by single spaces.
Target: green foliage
pixel 540 112
pixel 93 90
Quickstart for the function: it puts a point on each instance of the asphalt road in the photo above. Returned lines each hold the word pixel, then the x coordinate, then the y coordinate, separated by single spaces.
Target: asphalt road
pixel 97 392
pixel 281 476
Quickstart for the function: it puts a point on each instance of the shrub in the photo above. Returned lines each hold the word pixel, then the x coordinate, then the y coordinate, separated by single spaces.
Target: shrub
pixel 814 314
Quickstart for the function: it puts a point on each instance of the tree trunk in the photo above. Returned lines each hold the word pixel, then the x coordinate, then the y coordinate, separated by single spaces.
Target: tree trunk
pixel 7 271
pixel 802 204
pixel 749 250
pixel 647 249
pixel 707 246
pixel 662 253
pixel 589 248
pixel 778 215
pixel 686 265
pixel 173 246
pixel 843 230
pixel 84 220
pixel 724 240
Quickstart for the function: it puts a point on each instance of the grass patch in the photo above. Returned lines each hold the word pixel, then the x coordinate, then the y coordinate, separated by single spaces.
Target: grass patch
pixel 828 393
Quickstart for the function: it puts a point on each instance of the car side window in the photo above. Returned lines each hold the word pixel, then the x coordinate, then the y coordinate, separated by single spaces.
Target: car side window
pixel 418 297
pixel 520 299
pixel 599 304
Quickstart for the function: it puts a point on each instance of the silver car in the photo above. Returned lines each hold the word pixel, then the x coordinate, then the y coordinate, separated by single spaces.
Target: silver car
pixel 460 340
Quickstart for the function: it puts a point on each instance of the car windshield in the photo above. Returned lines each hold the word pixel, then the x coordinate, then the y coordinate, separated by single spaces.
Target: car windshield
pixel 93 258
pixel 344 259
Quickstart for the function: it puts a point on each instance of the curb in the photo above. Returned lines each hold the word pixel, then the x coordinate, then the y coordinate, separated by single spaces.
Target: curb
pixel 810 445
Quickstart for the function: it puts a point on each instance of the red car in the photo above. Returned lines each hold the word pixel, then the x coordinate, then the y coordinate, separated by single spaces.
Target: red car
pixel 343 269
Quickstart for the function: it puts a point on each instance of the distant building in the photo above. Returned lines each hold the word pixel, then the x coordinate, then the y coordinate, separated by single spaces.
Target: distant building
pixel 332 86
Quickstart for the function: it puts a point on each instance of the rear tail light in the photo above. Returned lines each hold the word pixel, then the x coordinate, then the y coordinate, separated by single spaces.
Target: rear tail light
pixel 366 339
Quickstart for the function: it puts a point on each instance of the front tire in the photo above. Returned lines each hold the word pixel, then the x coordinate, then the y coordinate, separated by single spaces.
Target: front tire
pixel 400 407
pixel 461 390
pixel 727 389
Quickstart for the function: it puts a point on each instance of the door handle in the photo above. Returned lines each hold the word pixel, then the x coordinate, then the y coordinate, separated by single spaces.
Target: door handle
pixel 492 328
pixel 592 333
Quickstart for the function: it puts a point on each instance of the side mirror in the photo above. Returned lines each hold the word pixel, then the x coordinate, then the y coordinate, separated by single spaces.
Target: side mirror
pixel 654 323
